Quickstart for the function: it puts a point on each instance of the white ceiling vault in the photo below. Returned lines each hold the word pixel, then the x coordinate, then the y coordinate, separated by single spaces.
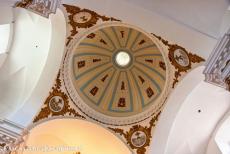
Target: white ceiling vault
pixel 204 16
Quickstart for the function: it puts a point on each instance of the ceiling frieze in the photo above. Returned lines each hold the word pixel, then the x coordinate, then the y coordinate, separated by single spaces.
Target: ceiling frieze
pixel 217 70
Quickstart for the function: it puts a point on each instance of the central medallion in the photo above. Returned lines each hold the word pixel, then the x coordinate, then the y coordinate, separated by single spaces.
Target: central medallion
pixel 115 71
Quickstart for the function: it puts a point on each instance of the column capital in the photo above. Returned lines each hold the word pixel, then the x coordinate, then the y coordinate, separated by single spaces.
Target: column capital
pixel 217 70
pixel 40 7
pixel 10 133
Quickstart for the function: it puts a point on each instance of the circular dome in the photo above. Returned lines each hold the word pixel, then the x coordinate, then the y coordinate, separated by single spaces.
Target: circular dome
pixel 85 137
pixel 116 70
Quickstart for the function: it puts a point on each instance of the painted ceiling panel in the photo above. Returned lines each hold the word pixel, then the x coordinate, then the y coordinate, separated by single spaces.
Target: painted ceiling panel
pixel 112 88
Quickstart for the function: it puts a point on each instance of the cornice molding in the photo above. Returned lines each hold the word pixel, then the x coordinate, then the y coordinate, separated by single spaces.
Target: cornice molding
pixel 40 7
pixel 217 69
pixel 10 135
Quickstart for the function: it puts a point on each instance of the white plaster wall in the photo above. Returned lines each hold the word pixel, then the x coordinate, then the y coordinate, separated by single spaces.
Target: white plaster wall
pixel 5 31
pixel 219 142
pixel 6 17
pixel 213 148
pixel 2 58
pixel 151 22
pixel 223 137
pixel 6 14
pixel 225 26
pixel 181 127
pixel 31 67
pixel 48 73
pixel 169 114
pixel 196 128
pixel 28 53
pixel 201 15
pixel 6 46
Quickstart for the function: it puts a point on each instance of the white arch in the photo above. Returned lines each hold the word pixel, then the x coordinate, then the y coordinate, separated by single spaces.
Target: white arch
pixel 219 142
pixel 49 64
pixel 190 116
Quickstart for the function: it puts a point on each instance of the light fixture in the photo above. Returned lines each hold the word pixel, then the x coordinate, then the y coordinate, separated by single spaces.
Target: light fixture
pixel 122 58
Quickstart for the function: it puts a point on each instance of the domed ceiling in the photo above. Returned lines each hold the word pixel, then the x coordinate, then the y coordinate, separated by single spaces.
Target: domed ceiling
pixel 118 71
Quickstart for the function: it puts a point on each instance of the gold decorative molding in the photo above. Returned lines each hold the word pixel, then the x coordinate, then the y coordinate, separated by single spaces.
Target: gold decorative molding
pixel 227 81
pixel 191 58
pixel 56 104
pixel 41 7
pixel 180 58
pixel 138 143
pixel 82 18
pixel 2 145
pixel 23 3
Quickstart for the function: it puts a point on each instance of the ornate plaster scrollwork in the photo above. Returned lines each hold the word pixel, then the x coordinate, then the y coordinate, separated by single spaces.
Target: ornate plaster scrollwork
pixel 19 145
pixel 82 18
pixel 56 104
pixel 23 3
pixel 180 58
pixel 5 142
pixel 217 69
pixel 10 134
pixel 138 137
pixel 41 7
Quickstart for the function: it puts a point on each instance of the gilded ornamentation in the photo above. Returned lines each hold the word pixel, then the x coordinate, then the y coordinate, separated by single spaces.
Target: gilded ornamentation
pixel 82 18
pixel 40 7
pixel 165 42
pixel 24 3
pixel 227 81
pixel 56 104
pixel 138 137
pixel 180 58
